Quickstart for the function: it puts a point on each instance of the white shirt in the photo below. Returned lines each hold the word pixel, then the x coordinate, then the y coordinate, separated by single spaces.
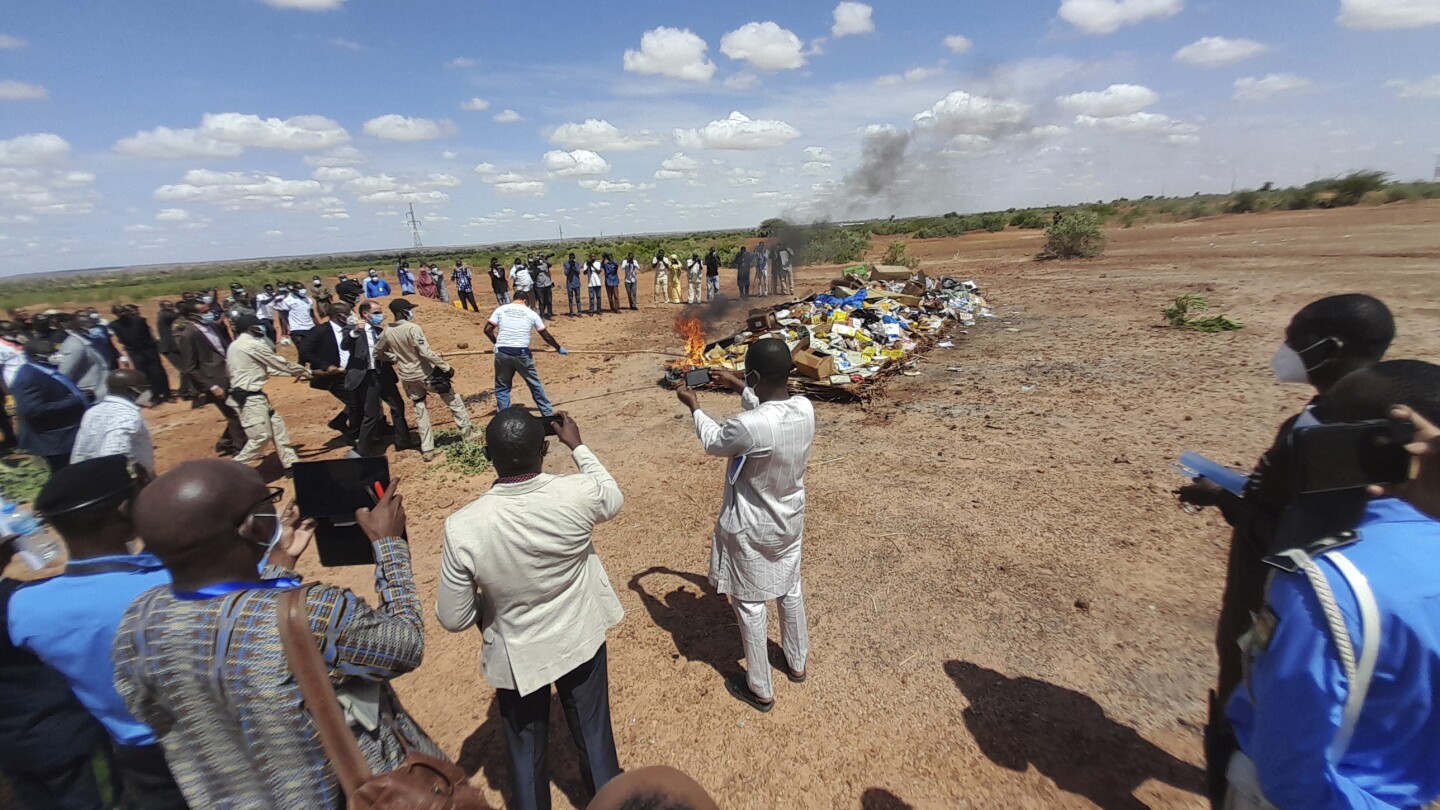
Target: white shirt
pixel 12 357
pixel 755 550
pixel 298 311
pixel 114 427
pixel 596 272
pixel 519 561
pixel 264 306
pixel 520 275
pixel 339 330
pixel 631 267
pixel 513 323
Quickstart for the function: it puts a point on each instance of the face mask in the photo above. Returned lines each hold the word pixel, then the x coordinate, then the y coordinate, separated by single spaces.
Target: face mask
pixel 409 315
pixel 1289 367
pixel 206 299
pixel 208 317
pixel 97 332
pixel 748 376
pixel 300 292
pixel 377 318
pixel 143 399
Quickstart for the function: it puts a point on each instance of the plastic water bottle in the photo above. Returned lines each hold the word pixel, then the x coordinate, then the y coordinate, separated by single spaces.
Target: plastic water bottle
pixel 36 545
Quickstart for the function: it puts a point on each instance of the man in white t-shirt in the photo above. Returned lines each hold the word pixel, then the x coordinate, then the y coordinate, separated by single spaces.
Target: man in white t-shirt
pixel 298 310
pixel 522 281
pixel 509 329
pixel 595 281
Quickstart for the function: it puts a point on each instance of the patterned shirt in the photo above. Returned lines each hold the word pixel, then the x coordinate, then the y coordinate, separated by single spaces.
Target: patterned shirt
pixel 114 427
pixel 210 677
pixel 462 278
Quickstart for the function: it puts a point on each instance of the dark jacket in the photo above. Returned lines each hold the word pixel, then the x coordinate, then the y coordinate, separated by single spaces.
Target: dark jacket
pixel 359 365
pixel 134 334
pixel 49 412
pixel 199 362
pixel 42 725
pixel 165 331
pixel 321 351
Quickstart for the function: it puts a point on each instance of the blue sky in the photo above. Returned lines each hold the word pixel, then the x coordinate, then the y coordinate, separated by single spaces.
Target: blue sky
pixel 170 130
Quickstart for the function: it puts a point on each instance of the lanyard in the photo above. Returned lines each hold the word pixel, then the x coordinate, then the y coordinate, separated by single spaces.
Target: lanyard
pixel 222 588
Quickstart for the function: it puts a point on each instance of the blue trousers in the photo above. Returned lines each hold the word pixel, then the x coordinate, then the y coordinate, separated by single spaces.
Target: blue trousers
pixel 572 294
pixel 585 698
pixel 596 299
pixel 506 367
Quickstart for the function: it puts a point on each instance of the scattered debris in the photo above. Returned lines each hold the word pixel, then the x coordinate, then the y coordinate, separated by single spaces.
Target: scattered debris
pixel 1184 313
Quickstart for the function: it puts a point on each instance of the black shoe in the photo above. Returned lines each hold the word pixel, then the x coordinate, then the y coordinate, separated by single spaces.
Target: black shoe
pixel 740 690
pixel 407 445
pixel 197 404
pixel 339 423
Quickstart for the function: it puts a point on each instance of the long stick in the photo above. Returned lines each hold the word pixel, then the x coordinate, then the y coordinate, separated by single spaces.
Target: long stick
pixel 572 351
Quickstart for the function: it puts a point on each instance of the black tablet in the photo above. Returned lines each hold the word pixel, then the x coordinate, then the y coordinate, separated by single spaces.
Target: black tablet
pixel 330 492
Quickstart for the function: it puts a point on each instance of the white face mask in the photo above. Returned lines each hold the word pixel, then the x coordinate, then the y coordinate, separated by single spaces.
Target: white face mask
pixel 274 537
pixel 1288 366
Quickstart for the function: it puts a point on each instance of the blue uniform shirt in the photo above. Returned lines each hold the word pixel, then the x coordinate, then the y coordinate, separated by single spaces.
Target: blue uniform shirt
pixel 1289 712
pixel 376 287
pixel 70 623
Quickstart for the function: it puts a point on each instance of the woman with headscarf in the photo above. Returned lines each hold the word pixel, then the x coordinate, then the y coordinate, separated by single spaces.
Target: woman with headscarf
pixel 439 279
pixel 677 279
pixel 426 284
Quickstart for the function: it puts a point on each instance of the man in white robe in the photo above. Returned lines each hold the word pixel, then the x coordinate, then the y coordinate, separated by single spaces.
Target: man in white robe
pixel 755 550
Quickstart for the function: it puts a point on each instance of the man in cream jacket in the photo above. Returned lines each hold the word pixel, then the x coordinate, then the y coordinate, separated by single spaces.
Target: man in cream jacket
pixel 519 562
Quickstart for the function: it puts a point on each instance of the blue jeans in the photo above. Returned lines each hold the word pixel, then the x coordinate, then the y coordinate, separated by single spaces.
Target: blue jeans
pixel 572 294
pixel 712 284
pixel 502 297
pixel 506 367
pixel 595 300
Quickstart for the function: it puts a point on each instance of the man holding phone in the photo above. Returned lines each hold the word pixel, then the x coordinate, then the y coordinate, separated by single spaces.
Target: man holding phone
pixel 756 545
pixel 509 329
pixel 520 561
pixel 1338 708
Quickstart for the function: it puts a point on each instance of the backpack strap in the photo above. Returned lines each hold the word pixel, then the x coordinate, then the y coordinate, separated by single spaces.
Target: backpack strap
pixel 303 655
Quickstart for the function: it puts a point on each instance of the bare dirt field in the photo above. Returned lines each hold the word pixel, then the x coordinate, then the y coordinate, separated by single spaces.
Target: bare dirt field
pixel 1007 608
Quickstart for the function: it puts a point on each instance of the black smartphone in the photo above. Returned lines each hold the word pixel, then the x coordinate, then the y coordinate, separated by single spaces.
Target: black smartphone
pixel 1350 455
pixel 330 492
pixel 697 377
pixel 552 424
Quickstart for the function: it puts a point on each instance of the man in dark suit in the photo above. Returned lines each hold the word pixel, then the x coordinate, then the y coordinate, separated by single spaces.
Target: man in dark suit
pixel 348 290
pixel 165 339
pixel 48 404
pixel 134 334
pixel 373 382
pixel 202 360
pixel 326 355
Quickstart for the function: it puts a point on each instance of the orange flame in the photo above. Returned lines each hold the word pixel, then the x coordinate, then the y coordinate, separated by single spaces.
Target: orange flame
pixel 693 330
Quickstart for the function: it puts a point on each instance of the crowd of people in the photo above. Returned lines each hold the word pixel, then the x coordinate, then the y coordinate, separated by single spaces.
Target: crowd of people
pixel 157 650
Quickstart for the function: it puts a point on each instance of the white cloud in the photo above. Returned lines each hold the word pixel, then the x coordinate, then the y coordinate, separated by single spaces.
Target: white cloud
pixel 335 174
pixel 1219 51
pixel 737 132
pixel 273 233
pixel 915 74
pixel 475 105
pixel 141 228
pixel 678 166
pixel 1423 88
pixel 961 112
pixel 600 135
pixel 1389 14
pixel 1042 133
pixel 339 156
pixel 532 188
pixel 742 81
pixel 385 189
pixel 1117 99
pixel 347 44
pixel 172 215
pixel 462 62
pixel 852 18
pixel 1141 122
pixel 508 117
pixel 8 42
pixel 21 91
pixel 765 45
pixel 674 52
pixel 1252 90
pixel 394 127
pixel 235 190
pixel 958 43
pixel 306 5
pixel 449 155
pixel 34 150
pixel 222 135
pixel 486 169
pixel 579 163
pixel 967 144
pixel 614 186
pixel 1108 16
pixel 815 167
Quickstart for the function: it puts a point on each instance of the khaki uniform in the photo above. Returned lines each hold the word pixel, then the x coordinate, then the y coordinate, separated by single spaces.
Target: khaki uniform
pixel 662 280
pixel 404 345
pixel 252 361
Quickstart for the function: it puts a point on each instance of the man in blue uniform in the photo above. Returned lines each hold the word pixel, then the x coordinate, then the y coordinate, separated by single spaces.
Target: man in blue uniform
pixel 1338 705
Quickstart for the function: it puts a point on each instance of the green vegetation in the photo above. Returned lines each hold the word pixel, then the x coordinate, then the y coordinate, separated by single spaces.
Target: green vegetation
pixel 22 476
pixel 1185 313
pixel 994 222
pixel 895 255
pixel 1076 236
pixel 1033 220
pixel 462 457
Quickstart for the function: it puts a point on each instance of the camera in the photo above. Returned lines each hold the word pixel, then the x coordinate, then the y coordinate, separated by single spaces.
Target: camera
pixel 1350 455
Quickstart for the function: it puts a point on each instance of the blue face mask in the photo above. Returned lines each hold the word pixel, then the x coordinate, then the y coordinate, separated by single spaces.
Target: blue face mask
pixel 377 318
pixel 209 317
pixel 97 332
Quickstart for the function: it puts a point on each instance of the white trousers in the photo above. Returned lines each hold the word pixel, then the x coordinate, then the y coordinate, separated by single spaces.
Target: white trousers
pixel 755 633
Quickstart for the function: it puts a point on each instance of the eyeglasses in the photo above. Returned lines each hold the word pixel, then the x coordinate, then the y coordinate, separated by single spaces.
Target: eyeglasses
pixel 274 496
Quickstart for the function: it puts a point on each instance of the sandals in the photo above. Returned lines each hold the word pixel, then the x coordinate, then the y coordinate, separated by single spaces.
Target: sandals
pixel 739 690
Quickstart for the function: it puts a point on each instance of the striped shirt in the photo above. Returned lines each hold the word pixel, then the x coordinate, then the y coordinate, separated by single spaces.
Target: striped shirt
pixel 211 678
pixel 114 427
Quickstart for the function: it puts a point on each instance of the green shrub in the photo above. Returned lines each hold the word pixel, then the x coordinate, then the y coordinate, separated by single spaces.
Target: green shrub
pixel 1196 210
pixel 771 227
pixel 1352 188
pixel 827 244
pixel 1132 216
pixel 895 254
pixel 1076 236
pixel 1245 202
pixel 993 222
pixel 943 228
pixel 1029 219
pixel 1397 194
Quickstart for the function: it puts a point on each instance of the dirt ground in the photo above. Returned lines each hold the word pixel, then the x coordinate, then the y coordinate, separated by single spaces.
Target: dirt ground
pixel 1007 608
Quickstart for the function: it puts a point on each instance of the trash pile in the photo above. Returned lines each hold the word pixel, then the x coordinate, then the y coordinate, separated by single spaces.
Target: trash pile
pixel 847 342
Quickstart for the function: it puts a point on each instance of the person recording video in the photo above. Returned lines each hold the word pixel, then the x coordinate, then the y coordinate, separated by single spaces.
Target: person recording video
pixel 1337 708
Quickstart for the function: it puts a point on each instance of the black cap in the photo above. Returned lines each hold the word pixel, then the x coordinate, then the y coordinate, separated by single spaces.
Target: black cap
pixel 84 483
pixel 246 322
pixel 400 305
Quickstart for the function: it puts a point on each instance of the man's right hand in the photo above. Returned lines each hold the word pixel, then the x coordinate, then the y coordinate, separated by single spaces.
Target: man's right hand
pixel 386 518
pixel 567 431
pixel 217 391
pixel 1423 490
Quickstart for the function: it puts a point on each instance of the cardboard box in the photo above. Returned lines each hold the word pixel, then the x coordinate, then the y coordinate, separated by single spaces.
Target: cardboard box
pixel 891 272
pixel 813 364
pixel 763 322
